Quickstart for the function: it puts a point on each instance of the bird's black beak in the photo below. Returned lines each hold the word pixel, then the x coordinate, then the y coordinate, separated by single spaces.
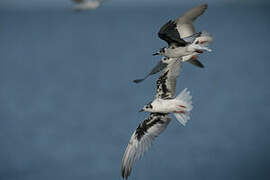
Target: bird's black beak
pixel 141 110
pixel 155 54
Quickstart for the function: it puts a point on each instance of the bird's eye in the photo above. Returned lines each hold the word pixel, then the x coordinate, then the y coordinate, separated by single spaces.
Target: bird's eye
pixel 149 106
pixel 197 42
pixel 173 47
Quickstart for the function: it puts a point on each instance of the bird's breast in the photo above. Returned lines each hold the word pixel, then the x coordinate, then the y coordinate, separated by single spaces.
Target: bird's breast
pixel 164 106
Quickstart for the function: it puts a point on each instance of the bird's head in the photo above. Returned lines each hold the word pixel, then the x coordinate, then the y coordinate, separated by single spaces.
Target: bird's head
pixel 160 52
pixel 147 107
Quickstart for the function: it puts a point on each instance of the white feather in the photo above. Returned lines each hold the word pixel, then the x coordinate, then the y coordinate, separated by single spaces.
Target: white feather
pixel 185 25
pixel 137 147
pixel 185 99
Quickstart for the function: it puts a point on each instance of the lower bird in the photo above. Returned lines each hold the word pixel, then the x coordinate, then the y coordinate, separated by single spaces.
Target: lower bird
pixel 181 105
pixel 156 123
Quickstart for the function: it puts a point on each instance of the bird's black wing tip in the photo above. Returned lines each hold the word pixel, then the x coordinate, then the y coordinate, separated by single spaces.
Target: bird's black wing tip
pixel 125 174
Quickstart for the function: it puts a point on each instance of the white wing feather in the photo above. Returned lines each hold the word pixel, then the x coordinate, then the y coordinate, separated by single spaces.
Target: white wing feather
pixel 142 139
pixel 185 25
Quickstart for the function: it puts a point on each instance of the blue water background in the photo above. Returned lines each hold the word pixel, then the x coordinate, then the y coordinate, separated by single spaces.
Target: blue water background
pixel 68 105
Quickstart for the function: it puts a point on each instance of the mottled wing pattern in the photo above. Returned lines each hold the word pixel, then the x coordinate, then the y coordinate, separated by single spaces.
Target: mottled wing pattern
pixel 184 22
pixel 166 82
pixel 142 139
pixel 170 34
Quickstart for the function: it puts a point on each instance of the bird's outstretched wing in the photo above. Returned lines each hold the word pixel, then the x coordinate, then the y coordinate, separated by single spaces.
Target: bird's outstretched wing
pixel 170 34
pixel 159 67
pixel 184 24
pixel 173 32
pixel 166 82
pixel 142 139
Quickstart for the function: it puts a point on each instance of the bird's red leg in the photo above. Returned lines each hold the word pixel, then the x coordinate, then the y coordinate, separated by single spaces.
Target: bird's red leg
pixel 180 112
pixel 201 42
pixel 194 57
pixel 182 106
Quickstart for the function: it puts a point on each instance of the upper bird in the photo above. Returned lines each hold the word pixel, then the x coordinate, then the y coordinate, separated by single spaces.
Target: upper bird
pixel 86 4
pixel 158 119
pixel 181 37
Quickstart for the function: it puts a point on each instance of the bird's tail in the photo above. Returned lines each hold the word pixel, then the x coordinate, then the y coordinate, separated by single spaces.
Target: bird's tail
pixel 184 101
pixel 203 41
pixel 205 38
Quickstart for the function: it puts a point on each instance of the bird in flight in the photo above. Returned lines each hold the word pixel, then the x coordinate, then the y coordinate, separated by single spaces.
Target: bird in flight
pixel 187 48
pixel 156 123
pixel 181 105
pixel 82 5
pixel 181 37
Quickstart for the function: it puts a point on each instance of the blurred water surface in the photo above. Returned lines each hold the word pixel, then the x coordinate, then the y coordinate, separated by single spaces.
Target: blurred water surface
pixel 68 104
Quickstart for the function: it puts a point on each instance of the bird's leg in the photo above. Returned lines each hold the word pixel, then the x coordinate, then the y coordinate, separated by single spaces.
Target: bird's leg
pixel 180 112
pixel 201 42
pixel 181 106
pixel 194 57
